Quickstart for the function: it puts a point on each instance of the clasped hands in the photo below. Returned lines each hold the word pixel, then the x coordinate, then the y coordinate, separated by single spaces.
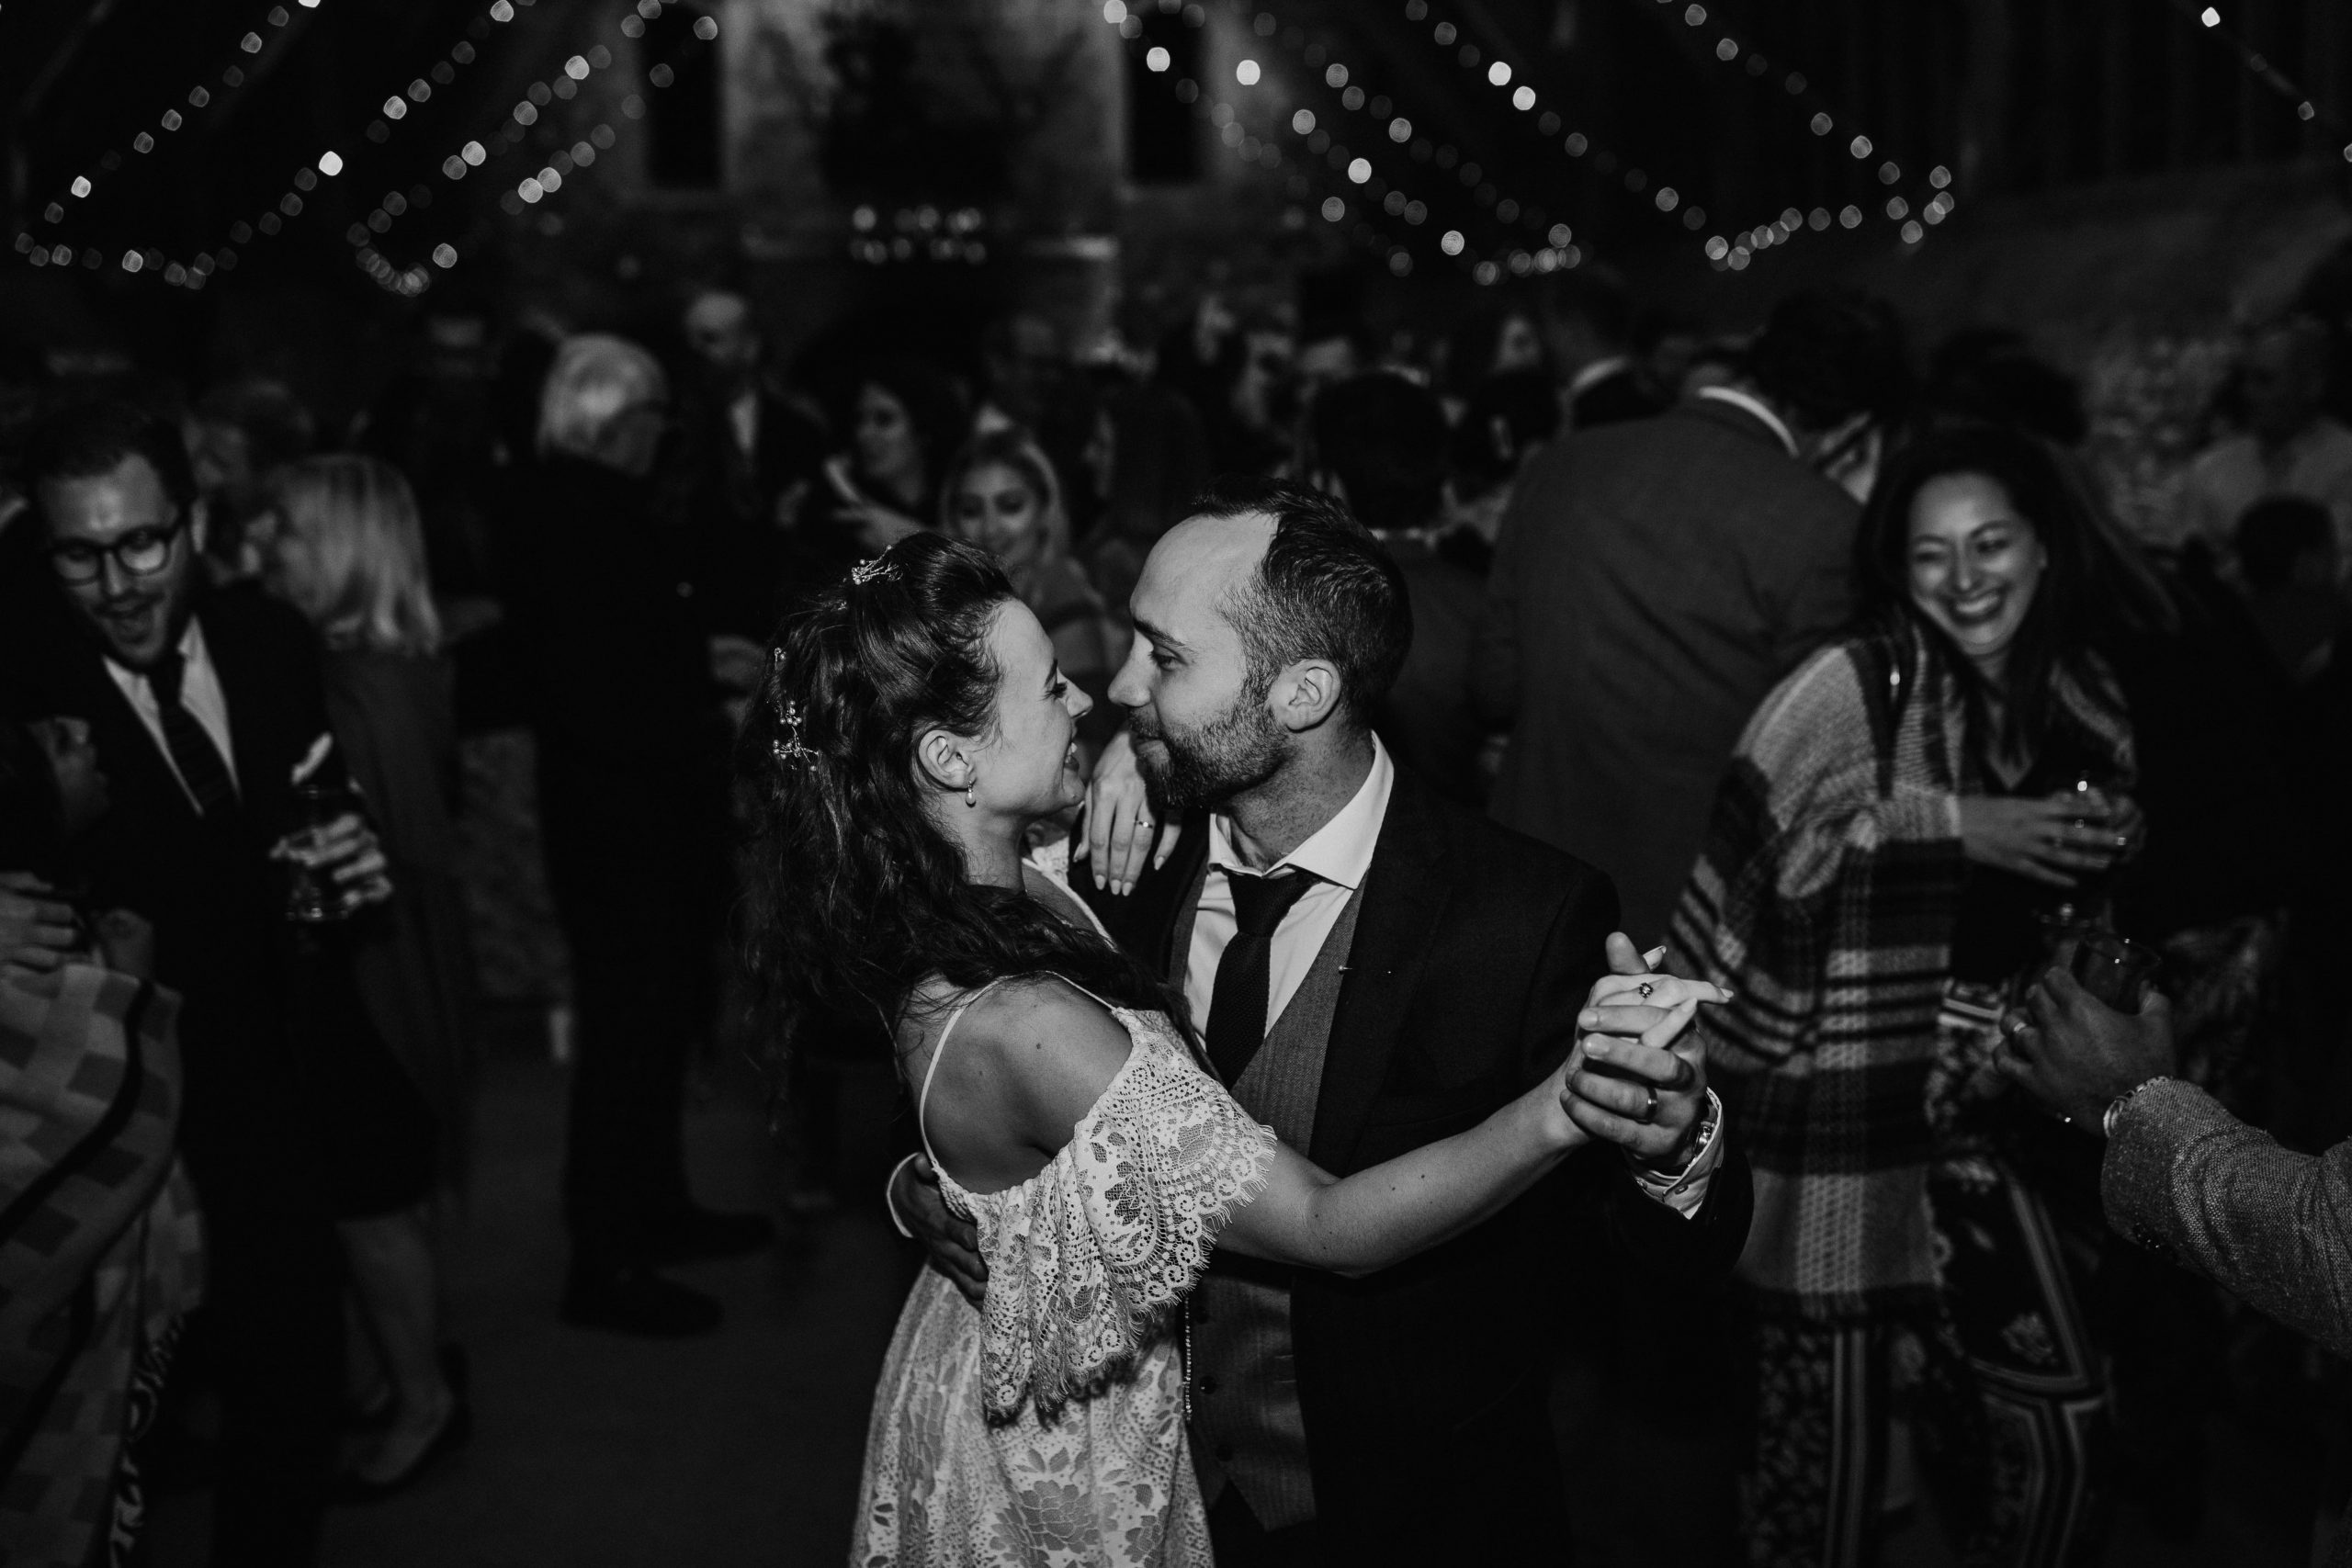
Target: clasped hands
pixel 1634 1079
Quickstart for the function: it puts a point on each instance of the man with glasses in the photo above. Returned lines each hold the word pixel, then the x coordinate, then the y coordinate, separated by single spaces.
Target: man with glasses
pixel 202 703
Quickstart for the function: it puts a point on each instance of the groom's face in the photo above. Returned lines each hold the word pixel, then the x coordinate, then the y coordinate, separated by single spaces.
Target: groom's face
pixel 1202 728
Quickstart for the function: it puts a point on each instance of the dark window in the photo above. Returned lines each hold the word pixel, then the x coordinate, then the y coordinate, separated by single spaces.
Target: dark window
pixel 681 81
pixel 1163 138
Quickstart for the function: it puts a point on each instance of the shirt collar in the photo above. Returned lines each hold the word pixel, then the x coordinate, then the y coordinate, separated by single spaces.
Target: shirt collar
pixel 1339 852
pixel 1599 370
pixel 193 657
pixel 1743 401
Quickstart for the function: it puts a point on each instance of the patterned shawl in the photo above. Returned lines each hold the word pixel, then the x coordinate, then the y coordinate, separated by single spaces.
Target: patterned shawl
pixel 1825 897
pixel 98 1249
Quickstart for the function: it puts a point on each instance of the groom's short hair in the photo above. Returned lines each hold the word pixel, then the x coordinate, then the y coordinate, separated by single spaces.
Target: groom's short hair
pixel 1325 589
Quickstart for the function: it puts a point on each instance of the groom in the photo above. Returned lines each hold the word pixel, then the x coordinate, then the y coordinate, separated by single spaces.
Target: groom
pixel 1374 969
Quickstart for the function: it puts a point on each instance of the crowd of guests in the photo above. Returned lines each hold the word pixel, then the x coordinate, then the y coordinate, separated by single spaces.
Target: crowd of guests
pixel 1826 652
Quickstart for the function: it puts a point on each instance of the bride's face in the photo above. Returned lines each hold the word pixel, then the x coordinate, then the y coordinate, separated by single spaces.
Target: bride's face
pixel 1028 766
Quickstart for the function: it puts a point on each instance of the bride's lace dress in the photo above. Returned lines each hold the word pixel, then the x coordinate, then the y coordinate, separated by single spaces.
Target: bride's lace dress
pixel 1048 1429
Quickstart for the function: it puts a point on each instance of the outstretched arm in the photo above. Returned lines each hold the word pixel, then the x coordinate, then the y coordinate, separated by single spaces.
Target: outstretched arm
pixel 1403 1206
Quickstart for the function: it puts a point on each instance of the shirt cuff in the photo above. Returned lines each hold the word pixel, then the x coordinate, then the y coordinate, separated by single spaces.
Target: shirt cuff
pixel 1684 1191
pixel 890 1183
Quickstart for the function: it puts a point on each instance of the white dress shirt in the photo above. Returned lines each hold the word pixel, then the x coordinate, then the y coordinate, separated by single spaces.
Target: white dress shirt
pixel 200 694
pixel 1339 854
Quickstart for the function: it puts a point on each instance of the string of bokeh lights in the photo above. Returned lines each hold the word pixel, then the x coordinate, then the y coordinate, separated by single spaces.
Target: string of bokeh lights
pixel 1265 153
pixel 1724 252
pixel 1500 73
pixel 1556 247
pixel 2259 66
pixel 1732 253
pixel 290 204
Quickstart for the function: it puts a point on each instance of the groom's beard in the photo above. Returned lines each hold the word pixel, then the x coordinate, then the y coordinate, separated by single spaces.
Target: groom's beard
pixel 1205 768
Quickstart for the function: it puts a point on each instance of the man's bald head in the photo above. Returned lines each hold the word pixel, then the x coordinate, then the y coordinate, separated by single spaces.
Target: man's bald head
pixel 1296 578
pixel 721 330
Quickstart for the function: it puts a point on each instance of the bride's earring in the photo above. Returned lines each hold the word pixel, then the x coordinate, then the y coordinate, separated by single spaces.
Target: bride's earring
pixel 967 796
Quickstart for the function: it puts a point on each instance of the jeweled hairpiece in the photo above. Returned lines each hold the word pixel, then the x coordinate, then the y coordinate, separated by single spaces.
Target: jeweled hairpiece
pixel 789 751
pixel 881 569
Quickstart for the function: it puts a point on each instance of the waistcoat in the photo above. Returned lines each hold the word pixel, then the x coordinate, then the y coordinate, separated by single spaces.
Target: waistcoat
pixel 1248 1429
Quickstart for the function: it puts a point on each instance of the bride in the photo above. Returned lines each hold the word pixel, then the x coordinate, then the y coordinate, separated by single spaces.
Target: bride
pixel 913 727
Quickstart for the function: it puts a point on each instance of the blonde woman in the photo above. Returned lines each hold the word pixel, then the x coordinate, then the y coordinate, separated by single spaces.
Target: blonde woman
pixel 1002 493
pixel 346 549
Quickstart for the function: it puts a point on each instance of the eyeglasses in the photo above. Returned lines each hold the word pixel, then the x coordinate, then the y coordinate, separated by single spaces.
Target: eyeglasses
pixel 142 552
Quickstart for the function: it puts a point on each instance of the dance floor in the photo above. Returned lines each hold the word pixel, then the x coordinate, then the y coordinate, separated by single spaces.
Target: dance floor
pixel 742 1450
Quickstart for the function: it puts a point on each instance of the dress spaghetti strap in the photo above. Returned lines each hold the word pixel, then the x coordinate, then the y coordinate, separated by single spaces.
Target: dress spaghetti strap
pixel 923 1096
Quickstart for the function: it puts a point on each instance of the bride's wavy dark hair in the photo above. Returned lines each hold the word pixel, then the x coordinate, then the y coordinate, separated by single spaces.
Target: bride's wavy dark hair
pixel 856 895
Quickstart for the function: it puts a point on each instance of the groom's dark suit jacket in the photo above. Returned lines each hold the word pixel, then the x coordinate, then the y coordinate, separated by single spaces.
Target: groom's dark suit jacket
pixel 1424 1386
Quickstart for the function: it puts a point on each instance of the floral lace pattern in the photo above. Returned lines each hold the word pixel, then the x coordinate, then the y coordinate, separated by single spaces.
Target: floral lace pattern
pixel 1048 1429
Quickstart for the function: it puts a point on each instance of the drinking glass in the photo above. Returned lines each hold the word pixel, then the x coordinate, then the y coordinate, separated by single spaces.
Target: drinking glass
pixel 312 899
pixel 2114 969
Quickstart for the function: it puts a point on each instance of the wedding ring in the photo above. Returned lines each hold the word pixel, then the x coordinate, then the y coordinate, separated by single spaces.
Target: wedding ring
pixel 1643 990
pixel 1649 1111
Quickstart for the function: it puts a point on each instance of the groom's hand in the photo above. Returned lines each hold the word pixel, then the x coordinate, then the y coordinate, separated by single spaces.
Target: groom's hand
pixel 1639 1083
pixel 954 1244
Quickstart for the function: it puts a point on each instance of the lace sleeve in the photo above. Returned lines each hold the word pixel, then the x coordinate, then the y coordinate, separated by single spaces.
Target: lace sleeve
pixel 1089 1266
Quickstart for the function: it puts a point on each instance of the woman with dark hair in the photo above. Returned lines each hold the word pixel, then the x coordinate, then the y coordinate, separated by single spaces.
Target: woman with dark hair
pixel 913 726
pixel 1907 823
pixel 907 418
pixel 100 1250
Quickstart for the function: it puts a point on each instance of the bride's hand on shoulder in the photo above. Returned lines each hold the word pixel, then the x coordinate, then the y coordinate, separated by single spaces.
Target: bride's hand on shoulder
pixel 1123 835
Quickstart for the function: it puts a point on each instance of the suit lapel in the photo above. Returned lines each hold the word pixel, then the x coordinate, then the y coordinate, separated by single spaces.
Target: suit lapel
pixel 1404 897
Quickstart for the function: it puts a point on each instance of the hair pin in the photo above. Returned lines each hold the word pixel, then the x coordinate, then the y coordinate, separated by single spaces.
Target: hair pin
pixel 881 569
pixel 790 752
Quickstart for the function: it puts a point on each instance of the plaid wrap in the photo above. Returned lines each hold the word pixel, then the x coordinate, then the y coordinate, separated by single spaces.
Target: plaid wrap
pixel 99 1250
pixel 1825 897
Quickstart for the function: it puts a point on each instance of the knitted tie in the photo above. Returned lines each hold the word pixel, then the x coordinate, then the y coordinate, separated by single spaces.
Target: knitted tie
pixel 193 754
pixel 1245 971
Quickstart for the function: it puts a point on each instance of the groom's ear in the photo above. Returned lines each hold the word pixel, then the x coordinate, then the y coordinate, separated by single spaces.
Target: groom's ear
pixel 939 756
pixel 1306 694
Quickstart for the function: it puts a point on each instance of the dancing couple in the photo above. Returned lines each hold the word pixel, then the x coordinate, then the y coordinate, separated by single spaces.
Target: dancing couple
pixel 1268 1172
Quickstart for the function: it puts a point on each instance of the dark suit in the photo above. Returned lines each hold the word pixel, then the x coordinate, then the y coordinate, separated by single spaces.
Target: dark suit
pixel 1652 582
pixel 251 1129
pixel 1619 396
pixel 741 565
pixel 1424 1386
pixel 632 799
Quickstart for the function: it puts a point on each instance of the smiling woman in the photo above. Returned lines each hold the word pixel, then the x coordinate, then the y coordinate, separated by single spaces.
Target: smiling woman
pixel 1907 821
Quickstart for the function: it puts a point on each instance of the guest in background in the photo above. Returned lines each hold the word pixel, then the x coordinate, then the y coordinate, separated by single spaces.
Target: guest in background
pixel 343 544
pixel 1495 341
pixel 1908 819
pixel 2289 446
pixel 1508 420
pixel 2288 558
pixel 631 803
pixel 1589 328
pixel 101 1251
pixel 1150 458
pixel 201 703
pixel 1377 443
pixel 237 432
pixel 1653 578
pixel 1001 492
pixel 751 460
pixel 2183 1178
pixel 907 420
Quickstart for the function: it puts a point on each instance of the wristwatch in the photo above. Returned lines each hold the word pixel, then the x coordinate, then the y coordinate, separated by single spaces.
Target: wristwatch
pixel 2115 1107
